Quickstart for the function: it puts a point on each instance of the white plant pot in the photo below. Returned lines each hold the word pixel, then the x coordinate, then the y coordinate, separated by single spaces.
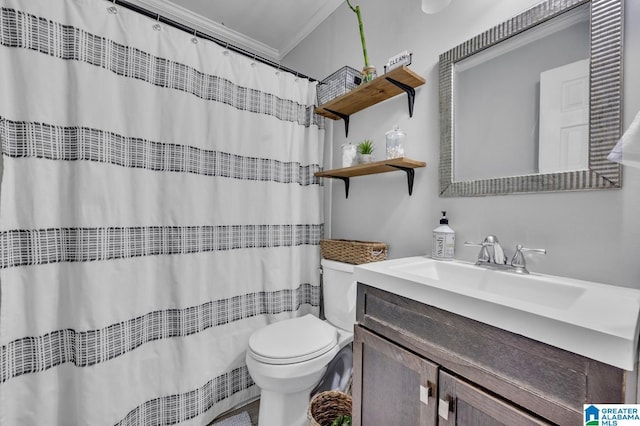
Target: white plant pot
pixel 365 158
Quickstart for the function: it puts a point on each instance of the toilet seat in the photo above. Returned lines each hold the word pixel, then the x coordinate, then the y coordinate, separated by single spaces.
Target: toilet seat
pixel 293 340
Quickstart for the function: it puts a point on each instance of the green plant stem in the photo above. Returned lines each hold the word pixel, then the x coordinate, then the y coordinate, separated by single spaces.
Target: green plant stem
pixel 361 27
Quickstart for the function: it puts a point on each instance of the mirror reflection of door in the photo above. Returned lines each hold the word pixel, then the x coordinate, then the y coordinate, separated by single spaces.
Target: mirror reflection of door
pixel 564 118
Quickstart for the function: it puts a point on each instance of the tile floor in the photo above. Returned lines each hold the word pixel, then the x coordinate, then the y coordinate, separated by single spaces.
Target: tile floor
pixel 252 408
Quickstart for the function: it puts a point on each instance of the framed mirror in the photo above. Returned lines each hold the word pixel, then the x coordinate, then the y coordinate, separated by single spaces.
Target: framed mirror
pixel 534 104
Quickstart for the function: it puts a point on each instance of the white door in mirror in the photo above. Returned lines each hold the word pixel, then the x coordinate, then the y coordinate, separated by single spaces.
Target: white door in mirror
pixel 564 118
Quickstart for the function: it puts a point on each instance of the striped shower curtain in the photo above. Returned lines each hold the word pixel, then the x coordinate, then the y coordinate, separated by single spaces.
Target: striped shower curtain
pixel 158 204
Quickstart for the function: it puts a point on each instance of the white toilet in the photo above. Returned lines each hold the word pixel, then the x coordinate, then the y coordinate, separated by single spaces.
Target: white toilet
pixel 288 358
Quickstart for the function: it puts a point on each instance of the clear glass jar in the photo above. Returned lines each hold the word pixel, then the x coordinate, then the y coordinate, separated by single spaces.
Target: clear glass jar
pixel 395 142
pixel 368 74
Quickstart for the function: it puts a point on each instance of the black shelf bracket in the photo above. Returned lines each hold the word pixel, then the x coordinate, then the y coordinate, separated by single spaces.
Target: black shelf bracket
pixel 411 93
pixel 410 175
pixel 346 183
pixel 344 118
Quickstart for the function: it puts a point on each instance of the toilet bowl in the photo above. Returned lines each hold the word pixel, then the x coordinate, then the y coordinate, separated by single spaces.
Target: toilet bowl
pixel 288 359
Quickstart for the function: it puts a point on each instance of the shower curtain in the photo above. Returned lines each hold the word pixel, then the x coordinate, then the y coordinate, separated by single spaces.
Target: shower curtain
pixel 158 204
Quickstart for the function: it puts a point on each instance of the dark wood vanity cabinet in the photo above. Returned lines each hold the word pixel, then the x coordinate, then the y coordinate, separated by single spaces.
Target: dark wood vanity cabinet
pixel 461 403
pixel 401 387
pixel 415 364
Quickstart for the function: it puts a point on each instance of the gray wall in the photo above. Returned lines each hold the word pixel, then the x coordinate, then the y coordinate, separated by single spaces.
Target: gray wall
pixel 592 235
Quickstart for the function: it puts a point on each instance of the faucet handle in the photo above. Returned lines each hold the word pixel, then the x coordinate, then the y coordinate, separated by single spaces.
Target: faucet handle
pixel 470 244
pixel 519 261
pixel 483 256
pixel 489 241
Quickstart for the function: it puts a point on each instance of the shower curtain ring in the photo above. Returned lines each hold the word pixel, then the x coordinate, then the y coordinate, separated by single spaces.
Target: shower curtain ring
pixel 194 39
pixel 225 52
pixel 253 61
pixel 278 70
pixel 157 26
pixel 113 9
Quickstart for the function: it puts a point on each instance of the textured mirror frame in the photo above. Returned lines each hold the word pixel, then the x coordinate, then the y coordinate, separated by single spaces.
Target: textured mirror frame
pixel 605 116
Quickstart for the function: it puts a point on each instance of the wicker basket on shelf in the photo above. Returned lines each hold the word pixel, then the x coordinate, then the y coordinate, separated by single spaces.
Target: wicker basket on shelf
pixel 354 252
pixel 327 406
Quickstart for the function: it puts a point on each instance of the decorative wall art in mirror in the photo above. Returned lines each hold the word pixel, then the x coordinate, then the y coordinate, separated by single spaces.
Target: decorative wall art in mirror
pixel 535 103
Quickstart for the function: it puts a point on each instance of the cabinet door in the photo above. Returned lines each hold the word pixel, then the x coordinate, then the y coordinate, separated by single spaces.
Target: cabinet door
pixel 462 404
pixel 391 386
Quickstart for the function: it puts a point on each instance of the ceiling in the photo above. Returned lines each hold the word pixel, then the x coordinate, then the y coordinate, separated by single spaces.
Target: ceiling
pixel 269 28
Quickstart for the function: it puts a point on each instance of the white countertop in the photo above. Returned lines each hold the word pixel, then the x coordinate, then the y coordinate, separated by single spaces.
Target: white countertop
pixel 595 320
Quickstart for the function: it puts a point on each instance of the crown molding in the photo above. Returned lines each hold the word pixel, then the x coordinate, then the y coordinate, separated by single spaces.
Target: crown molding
pixel 580 14
pixel 204 25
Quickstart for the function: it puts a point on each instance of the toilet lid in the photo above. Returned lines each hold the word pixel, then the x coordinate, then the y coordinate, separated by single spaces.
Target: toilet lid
pixel 293 340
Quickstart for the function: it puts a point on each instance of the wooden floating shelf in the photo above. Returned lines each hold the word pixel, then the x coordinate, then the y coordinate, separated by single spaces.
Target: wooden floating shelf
pixel 397 81
pixel 393 165
pixel 372 168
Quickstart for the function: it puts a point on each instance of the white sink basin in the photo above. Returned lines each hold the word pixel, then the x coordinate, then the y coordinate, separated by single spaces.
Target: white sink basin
pixel 595 320
pixel 536 289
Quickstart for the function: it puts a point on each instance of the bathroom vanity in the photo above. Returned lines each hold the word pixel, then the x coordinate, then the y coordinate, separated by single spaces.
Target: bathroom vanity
pixel 427 351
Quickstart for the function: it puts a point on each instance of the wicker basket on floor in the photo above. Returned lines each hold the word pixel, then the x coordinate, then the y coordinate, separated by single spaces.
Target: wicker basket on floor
pixel 327 406
pixel 354 252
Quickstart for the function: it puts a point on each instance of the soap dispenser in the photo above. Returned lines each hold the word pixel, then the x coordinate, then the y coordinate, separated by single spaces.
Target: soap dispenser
pixel 444 239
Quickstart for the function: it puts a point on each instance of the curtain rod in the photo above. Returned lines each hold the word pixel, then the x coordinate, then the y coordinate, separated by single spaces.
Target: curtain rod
pixel 205 36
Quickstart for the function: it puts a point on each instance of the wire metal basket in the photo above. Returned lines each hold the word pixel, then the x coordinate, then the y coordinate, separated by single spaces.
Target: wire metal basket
pixel 338 83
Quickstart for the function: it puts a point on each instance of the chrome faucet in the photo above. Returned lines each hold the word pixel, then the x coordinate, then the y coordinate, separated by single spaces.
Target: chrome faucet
pixel 492 256
pixel 491 252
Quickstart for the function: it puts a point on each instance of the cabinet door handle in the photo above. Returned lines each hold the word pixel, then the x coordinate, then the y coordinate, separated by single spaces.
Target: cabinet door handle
pixel 443 409
pixel 425 393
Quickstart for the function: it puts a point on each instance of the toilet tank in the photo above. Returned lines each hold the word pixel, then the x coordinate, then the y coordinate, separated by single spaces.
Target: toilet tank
pixel 339 292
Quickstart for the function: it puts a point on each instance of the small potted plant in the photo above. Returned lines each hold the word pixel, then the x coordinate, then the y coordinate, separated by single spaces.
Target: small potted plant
pixel 365 151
